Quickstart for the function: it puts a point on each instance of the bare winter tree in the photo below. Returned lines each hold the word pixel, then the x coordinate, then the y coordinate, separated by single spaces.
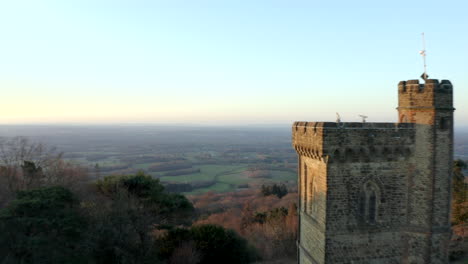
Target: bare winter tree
pixel 25 165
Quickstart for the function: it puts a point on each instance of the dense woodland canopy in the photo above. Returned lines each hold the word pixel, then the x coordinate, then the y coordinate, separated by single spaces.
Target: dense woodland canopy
pixel 52 211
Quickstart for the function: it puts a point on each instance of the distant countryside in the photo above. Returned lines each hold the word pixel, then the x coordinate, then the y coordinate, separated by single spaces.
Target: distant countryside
pixel 191 160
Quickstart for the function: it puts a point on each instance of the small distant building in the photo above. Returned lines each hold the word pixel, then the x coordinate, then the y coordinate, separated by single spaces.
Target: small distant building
pixel 379 192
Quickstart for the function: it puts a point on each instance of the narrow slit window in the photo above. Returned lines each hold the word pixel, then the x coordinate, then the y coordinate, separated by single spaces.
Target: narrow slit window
pixel 311 196
pixel 314 208
pixel 372 207
pixel 444 123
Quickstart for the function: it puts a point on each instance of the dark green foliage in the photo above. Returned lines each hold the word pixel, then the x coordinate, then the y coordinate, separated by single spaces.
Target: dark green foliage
pixel 214 243
pixel 150 193
pixel 49 225
pixel 219 245
pixel 279 190
pixel 143 186
pixel 42 226
pixel 173 239
pixel 138 205
pixel 121 233
pixel 140 185
pixel 171 202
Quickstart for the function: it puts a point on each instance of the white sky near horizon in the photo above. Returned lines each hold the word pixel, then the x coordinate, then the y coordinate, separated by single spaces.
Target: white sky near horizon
pixel 223 62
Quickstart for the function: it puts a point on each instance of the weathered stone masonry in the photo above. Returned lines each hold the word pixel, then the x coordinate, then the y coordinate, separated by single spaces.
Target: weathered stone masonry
pixel 379 192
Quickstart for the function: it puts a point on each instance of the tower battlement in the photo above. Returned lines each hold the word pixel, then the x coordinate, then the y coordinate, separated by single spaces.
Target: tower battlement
pixel 354 142
pixel 308 126
pixel 431 85
pixel 431 94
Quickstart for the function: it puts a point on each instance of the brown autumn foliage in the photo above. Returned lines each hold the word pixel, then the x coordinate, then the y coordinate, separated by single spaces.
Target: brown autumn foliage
pixel 210 202
pixel 274 238
pixel 459 242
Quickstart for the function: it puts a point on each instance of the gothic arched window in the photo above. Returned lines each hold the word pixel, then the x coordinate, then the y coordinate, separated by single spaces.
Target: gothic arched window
pixel 369 202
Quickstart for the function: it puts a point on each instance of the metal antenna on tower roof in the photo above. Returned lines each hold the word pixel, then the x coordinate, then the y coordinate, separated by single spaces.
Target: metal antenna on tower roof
pixel 363 118
pixel 424 76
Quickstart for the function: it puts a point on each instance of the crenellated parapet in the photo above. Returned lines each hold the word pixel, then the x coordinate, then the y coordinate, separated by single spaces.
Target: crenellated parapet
pixel 431 94
pixel 354 142
pixel 307 139
pixel 431 85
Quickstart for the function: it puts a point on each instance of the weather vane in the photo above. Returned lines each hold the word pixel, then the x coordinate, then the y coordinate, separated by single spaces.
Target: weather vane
pixel 424 76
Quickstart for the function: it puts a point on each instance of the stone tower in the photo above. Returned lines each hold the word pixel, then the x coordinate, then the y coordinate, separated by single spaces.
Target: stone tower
pixel 379 192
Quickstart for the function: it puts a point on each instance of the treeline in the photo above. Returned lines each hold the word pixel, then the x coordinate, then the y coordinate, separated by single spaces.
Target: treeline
pixel 188 187
pixel 182 172
pixel 56 215
pixel 113 168
pixel 150 159
pixel 169 166
pixel 279 190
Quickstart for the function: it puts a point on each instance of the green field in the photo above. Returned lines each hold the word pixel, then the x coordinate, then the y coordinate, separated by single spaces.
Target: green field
pixel 207 173
pixel 226 177
pixel 283 176
pixel 235 178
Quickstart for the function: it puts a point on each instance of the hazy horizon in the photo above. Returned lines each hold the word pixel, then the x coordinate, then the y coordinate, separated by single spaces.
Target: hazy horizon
pixel 69 138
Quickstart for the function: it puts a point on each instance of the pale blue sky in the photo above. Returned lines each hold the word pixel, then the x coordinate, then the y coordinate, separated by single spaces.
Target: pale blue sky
pixel 221 62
